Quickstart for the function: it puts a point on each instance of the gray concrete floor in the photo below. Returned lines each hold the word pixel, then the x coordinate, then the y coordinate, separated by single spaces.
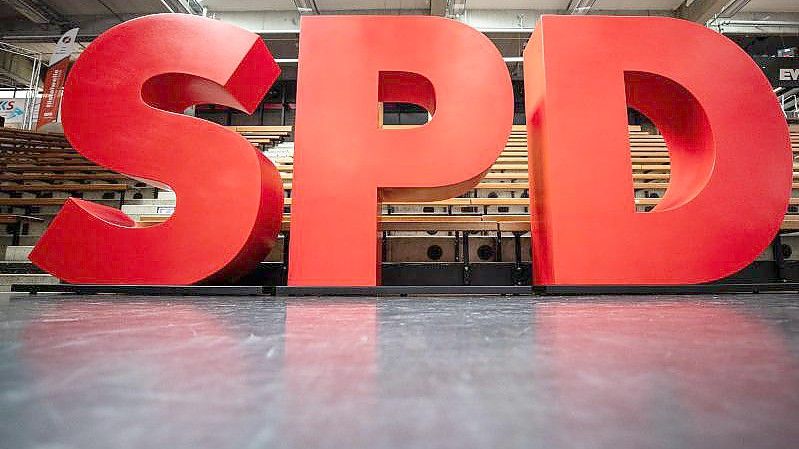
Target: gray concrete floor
pixel 614 372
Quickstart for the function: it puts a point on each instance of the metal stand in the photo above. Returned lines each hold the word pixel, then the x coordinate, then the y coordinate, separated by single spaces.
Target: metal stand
pixel 779 257
pixel 16 230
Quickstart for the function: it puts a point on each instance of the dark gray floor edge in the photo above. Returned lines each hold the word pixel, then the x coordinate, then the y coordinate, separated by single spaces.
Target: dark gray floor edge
pixel 581 290
pixel 156 290
pixel 390 290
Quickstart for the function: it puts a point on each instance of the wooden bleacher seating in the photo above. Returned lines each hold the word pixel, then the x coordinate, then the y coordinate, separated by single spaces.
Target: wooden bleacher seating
pixel 263 137
pixel 63 187
pixel 38 171
pixel 14 224
pixel 498 205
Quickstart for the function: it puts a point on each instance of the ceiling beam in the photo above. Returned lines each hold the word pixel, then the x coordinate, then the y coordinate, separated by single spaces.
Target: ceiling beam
pixel 306 6
pixel 16 65
pixel 184 6
pixel 580 7
pixel 703 11
pixel 22 31
pixel 38 11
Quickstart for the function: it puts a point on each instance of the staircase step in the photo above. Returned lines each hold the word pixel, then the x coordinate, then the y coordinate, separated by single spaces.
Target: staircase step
pixel 151 202
pixel 6 280
pixel 134 211
pixel 166 195
pixel 18 253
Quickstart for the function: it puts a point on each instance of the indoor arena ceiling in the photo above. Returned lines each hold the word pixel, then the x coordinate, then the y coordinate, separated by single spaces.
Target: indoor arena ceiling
pixel 37 24
pixel 70 8
pixel 772 6
pixel 88 7
pixel 390 5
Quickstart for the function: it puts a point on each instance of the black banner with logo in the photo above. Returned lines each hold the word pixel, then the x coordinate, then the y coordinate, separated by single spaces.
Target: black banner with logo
pixel 781 72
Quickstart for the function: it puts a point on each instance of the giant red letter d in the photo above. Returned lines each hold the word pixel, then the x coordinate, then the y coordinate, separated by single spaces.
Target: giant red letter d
pixel 727 140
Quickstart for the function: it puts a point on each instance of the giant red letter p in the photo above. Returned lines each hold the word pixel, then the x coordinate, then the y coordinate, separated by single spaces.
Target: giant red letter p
pixel 345 162
pixel 727 140
pixel 122 109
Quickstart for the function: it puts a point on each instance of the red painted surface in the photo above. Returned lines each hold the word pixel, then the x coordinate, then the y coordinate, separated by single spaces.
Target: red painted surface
pixel 729 147
pixel 728 142
pixel 345 164
pixel 120 110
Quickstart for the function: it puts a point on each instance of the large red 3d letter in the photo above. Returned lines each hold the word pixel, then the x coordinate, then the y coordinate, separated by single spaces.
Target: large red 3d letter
pixel 346 163
pixel 121 109
pixel 726 136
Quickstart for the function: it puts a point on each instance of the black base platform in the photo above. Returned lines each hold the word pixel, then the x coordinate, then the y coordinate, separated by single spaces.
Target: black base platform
pixel 407 290
pixel 245 290
pixel 154 290
pixel 701 289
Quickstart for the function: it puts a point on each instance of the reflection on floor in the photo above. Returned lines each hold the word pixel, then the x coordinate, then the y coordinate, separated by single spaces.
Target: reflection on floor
pixel 615 372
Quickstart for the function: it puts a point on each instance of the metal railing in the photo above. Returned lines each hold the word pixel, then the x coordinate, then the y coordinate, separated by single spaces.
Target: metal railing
pixel 789 105
pixel 32 89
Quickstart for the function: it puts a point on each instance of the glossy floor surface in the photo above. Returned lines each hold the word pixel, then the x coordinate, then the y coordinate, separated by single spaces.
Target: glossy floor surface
pixel 615 372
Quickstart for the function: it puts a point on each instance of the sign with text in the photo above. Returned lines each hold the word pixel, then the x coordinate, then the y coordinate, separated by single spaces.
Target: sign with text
pixel 781 72
pixel 730 173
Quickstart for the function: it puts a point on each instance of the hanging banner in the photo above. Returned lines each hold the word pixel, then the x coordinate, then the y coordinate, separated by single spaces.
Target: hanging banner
pixel 54 80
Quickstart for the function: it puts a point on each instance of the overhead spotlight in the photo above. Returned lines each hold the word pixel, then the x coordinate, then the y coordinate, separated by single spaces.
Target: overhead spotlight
pixel 580 7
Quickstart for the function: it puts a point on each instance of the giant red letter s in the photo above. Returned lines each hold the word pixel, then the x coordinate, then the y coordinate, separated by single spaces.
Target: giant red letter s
pixel 121 109
pixel 727 139
pixel 345 163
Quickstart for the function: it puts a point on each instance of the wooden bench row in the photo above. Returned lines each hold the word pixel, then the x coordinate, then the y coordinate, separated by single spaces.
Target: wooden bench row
pixel 452 202
pixel 286 174
pixel 421 223
pixel 14 224
pixel 106 187
pixel 64 187
pixel 263 136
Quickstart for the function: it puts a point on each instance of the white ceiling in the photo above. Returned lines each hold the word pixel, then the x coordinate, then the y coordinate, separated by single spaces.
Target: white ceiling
pixel 638 4
pixel 338 5
pixel 324 5
pixel 517 4
pixel 95 7
pixel 772 6
pixel 249 5
pixel 342 5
